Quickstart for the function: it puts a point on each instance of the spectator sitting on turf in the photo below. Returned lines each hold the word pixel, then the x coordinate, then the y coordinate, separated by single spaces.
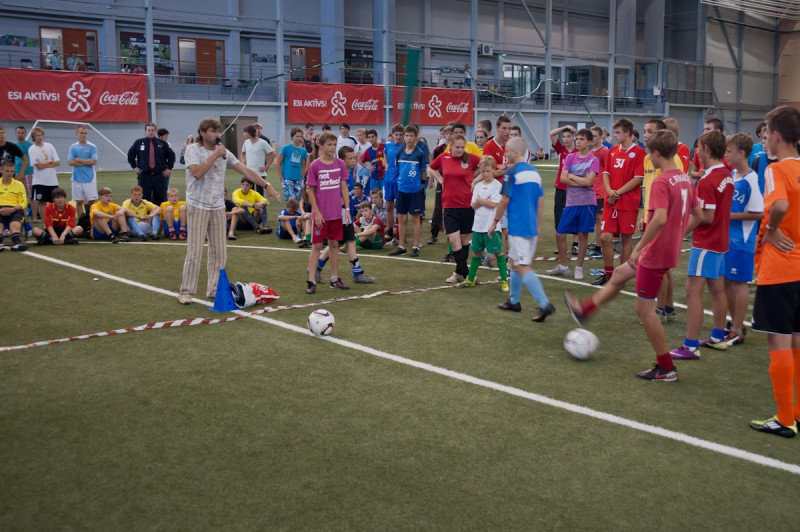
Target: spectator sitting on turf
pixel 369 228
pixel 233 215
pixel 174 212
pixel 288 220
pixel 59 222
pixel 254 207
pixel 378 205
pixel 144 221
pixel 109 220
pixel 13 202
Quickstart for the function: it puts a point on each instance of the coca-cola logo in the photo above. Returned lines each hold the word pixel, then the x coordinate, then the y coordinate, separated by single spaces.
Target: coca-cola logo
pixel 125 98
pixel 462 107
pixel 366 105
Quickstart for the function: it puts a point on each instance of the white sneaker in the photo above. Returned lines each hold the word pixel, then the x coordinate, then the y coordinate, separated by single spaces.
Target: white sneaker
pixel 296 239
pixel 579 273
pixel 455 278
pixel 558 270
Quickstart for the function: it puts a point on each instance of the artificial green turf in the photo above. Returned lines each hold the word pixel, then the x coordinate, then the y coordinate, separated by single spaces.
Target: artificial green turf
pixel 247 425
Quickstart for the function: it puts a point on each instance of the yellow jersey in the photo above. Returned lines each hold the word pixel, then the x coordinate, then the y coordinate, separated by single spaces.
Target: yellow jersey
pixel 143 209
pixel 111 208
pixel 252 197
pixel 471 147
pixel 650 173
pixel 176 213
pixel 13 194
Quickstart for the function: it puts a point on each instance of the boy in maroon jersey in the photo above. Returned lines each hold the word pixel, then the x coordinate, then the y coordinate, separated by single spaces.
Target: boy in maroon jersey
pixel 563 146
pixel 622 178
pixel 707 258
pixel 674 211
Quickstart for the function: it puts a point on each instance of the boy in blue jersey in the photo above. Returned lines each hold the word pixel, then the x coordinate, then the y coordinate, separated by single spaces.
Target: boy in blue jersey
pixel 390 178
pixel 82 159
pixel 747 209
pixel 522 198
pixel 412 174
pixel 292 165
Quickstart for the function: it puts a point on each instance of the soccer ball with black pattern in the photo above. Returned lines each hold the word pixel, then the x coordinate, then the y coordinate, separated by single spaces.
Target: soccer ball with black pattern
pixel 581 344
pixel 321 322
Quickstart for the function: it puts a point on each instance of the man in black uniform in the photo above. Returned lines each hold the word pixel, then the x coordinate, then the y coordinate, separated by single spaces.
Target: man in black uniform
pixel 152 159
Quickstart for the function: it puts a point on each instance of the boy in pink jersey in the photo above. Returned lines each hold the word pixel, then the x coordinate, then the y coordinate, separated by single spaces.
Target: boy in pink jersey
pixel 714 191
pixel 326 186
pixel 674 211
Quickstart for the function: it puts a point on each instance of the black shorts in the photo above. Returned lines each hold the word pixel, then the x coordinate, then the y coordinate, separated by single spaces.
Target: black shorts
pixel 348 233
pixel 410 202
pixel 44 192
pixel 15 216
pixel 559 202
pixel 45 237
pixel 459 219
pixel 600 203
pixel 776 308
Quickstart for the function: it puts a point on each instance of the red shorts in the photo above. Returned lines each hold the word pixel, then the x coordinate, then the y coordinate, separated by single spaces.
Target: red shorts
pixel 648 281
pixel 331 229
pixel 615 221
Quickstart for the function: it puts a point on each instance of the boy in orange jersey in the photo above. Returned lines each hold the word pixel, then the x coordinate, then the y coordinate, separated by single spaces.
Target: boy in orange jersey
pixel 776 309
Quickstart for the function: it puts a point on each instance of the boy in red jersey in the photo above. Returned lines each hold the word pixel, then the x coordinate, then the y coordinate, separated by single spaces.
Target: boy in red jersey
pixel 683 149
pixel 59 222
pixel 776 310
pixel 601 152
pixel 707 258
pixel 562 146
pixel 622 178
pixel 673 212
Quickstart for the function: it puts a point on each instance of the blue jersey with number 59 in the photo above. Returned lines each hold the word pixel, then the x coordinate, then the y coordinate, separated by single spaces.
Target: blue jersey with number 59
pixel 410 167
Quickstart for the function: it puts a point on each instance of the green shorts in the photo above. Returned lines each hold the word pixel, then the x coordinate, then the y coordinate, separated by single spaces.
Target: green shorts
pixel 492 243
pixel 375 243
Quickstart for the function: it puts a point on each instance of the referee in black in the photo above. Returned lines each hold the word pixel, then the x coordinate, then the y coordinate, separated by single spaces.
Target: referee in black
pixel 152 159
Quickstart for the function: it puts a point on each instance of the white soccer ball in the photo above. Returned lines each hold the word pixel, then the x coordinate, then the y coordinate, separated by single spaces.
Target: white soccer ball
pixel 321 322
pixel 581 344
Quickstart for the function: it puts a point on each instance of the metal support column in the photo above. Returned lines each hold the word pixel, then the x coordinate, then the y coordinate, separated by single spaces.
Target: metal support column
pixel 151 61
pixel 473 59
pixel 280 70
pixel 612 60
pixel 548 65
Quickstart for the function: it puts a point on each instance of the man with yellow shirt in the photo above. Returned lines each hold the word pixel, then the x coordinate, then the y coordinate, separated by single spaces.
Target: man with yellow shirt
pixel 13 202
pixel 174 212
pixel 144 220
pixel 664 302
pixel 460 129
pixel 254 205
pixel 109 220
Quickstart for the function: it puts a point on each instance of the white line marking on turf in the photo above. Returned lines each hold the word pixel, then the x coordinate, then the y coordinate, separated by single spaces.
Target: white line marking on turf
pixel 428 261
pixel 726 450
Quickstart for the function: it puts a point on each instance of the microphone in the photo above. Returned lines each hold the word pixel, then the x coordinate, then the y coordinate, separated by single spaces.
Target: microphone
pixel 219 142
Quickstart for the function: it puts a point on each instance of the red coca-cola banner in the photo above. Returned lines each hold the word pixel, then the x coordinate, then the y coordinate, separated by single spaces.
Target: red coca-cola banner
pixel 77 96
pixel 324 102
pixel 435 106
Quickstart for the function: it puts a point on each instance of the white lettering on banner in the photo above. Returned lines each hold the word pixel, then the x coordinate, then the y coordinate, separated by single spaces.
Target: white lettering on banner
pixel 39 96
pixel 310 103
pixel 462 107
pixel 366 105
pixel 338 101
pixel 416 106
pixel 126 98
pixel 77 95
pixel 435 103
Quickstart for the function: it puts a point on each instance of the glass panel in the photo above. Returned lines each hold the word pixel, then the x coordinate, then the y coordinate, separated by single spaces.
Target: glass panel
pixel 52 41
pixel 187 62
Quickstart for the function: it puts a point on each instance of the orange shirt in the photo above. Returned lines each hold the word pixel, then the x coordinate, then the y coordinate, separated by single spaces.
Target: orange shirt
pixel 782 182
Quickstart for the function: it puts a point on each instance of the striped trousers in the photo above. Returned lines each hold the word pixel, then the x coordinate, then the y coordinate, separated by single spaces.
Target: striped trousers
pixel 200 224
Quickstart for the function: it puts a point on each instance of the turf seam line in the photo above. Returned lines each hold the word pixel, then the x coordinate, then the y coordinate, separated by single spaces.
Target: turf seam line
pixel 510 390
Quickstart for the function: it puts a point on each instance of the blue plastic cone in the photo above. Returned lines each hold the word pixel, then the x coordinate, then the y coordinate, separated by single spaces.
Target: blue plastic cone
pixel 223 302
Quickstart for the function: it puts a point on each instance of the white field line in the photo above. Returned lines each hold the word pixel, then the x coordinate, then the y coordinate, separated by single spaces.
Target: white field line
pixel 541 399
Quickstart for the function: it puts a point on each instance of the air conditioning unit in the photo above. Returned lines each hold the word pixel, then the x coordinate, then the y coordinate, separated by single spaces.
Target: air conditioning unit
pixel 486 50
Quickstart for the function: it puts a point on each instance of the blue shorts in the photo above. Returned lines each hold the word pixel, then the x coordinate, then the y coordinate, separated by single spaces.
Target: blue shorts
pixel 373 184
pixel 739 265
pixel 176 225
pixel 389 190
pixel 577 219
pixel 410 203
pixel 705 263
pixel 99 235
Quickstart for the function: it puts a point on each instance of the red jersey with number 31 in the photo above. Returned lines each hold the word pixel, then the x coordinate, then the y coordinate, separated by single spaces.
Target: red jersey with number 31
pixel 671 190
pixel 621 166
